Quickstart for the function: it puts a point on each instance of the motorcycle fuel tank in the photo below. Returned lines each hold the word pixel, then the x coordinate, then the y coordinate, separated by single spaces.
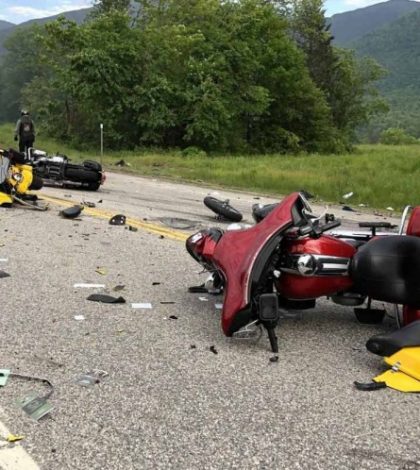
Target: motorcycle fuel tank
pixel 314 267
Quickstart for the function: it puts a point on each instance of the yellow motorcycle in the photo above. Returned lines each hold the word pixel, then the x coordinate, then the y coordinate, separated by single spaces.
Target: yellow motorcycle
pixel 16 179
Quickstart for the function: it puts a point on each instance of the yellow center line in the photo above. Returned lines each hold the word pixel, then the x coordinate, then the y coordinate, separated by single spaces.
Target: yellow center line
pixel 104 214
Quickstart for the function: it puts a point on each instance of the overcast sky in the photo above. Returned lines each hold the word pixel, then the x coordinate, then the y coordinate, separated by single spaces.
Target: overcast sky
pixel 17 11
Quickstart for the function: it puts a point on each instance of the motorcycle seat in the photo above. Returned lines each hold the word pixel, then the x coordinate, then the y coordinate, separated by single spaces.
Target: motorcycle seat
pixel 388 344
pixel 388 269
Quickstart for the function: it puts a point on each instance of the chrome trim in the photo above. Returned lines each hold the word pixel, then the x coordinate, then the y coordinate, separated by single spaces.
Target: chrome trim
pixel 403 219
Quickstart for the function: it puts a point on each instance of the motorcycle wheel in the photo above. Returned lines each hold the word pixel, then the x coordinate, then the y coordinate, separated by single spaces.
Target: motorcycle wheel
pixel 222 208
pixel 82 175
pixel 37 183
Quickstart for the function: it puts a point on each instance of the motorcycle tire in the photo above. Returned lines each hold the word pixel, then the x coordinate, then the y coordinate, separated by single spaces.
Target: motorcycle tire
pixel 223 209
pixel 92 165
pixel 369 317
pixel 82 175
pixel 93 186
pixel 37 183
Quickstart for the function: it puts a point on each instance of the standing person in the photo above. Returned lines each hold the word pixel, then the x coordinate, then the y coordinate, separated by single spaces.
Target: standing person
pixel 25 131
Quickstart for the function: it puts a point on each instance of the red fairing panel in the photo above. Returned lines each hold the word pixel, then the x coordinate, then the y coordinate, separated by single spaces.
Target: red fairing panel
pixel 237 251
pixel 413 227
pixel 299 287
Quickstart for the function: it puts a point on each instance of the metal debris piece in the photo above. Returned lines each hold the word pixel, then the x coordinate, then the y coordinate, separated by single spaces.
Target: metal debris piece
pixel 89 204
pixel 106 299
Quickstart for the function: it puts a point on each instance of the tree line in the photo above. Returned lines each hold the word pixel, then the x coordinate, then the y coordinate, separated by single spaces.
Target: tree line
pixel 220 75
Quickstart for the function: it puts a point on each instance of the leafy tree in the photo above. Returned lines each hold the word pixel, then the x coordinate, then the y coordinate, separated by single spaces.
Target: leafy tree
pixel 395 136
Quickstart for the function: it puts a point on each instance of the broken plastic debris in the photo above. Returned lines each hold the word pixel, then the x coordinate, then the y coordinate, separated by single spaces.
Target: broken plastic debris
pixel 71 212
pixel 167 302
pixel 4 274
pixel 118 288
pixel 14 438
pixel 348 195
pixel 132 229
pixel 213 350
pixel 89 286
pixel 155 283
pixel 35 406
pixel 203 299
pixel 218 306
pixel 173 317
pixel 141 305
pixel 201 289
pixel 79 317
pixel 90 378
pixel 106 299
pixel 389 208
pixel 89 204
pixel 101 271
pixel 4 260
pixel 4 375
pixel 274 359
pixel 348 208
pixel 118 219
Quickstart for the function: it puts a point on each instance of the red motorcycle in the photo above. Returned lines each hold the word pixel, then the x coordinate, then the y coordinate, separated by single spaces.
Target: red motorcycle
pixel 287 261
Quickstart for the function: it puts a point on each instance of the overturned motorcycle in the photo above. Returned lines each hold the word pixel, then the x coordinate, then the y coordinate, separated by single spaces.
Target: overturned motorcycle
pixel 16 179
pixel 57 170
pixel 287 261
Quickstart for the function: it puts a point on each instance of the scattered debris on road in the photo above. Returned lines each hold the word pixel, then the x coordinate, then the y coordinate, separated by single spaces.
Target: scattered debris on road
pixel 118 219
pixel 4 274
pixel 91 377
pixel 118 287
pixel 79 317
pixel 214 350
pixel 89 286
pixel 106 299
pixel 89 204
pixel 71 212
pixel 145 305
pixel 274 359
pixel 101 271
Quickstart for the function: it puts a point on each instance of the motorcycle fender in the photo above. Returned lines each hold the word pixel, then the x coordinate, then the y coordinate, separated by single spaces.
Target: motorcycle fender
pixel 5 199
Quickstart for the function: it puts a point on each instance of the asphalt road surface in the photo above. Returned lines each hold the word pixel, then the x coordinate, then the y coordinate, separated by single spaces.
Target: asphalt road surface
pixel 168 401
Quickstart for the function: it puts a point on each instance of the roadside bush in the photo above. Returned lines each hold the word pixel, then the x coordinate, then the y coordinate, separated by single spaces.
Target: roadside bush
pixel 396 136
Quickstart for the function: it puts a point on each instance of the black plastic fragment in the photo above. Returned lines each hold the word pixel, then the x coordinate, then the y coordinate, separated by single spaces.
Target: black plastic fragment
pixel 71 212
pixel 198 289
pixel 132 229
pixel 155 283
pixel 118 219
pixel 274 359
pixel 367 387
pixel 106 299
pixel 348 209
pixel 4 274
pixel 173 317
pixel 213 350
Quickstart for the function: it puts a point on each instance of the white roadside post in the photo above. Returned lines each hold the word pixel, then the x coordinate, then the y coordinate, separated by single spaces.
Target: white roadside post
pixel 102 142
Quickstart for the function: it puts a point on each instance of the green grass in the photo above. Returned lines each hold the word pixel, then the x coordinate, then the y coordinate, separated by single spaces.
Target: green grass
pixel 379 175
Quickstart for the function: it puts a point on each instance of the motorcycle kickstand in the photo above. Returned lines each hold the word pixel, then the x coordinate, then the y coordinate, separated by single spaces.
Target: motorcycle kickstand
pixel 269 316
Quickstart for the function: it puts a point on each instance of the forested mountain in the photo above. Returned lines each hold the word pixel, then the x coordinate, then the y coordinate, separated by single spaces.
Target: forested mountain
pixel 5 25
pixel 352 25
pixel 397 48
pixel 7 29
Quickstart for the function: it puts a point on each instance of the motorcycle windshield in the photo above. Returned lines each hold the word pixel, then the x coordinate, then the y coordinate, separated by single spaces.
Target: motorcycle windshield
pixel 242 255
